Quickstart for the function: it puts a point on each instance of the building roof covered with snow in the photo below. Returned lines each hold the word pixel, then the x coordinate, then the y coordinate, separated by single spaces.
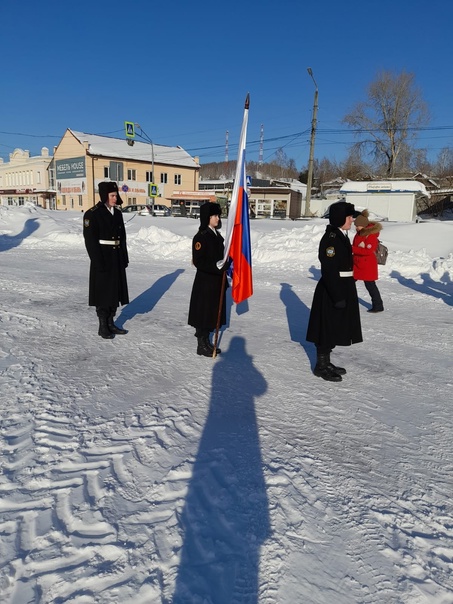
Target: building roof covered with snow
pixel 384 186
pixel 105 146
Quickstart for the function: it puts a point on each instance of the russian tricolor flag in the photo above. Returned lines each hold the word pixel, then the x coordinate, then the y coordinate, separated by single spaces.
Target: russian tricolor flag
pixel 237 237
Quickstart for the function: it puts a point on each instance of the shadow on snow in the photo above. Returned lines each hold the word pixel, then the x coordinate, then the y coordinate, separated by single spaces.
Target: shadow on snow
pixel 438 289
pixel 148 299
pixel 226 517
pixel 297 315
pixel 8 242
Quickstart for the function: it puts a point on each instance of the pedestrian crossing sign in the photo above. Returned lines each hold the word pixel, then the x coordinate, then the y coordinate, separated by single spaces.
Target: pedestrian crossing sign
pixel 152 190
pixel 129 128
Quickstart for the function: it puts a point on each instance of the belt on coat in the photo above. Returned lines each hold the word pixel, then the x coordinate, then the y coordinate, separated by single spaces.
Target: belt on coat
pixel 345 273
pixel 107 242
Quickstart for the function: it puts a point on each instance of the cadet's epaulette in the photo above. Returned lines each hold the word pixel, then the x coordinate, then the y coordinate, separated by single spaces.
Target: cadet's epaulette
pixel 332 235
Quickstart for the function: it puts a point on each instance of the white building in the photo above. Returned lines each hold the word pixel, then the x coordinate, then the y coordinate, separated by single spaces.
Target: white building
pixel 395 200
pixel 26 179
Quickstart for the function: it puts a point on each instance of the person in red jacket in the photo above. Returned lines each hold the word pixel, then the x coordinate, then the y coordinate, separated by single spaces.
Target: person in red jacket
pixel 364 249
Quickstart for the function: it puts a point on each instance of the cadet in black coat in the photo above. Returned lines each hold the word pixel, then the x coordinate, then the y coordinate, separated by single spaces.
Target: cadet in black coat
pixel 105 241
pixel 207 250
pixel 335 317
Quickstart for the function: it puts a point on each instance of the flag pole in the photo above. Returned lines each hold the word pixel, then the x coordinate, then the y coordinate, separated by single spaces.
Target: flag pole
pixel 219 315
pixel 232 216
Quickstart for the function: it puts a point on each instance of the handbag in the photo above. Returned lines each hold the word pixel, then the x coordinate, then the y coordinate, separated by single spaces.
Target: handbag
pixel 381 253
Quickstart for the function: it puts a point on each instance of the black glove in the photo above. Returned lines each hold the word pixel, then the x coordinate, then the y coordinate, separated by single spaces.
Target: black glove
pixel 340 304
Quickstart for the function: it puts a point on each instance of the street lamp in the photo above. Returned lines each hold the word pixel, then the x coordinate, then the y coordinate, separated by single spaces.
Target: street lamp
pixel 130 133
pixel 147 138
pixel 312 145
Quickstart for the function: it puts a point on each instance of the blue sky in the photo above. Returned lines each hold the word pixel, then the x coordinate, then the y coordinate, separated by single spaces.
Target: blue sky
pixel 182 70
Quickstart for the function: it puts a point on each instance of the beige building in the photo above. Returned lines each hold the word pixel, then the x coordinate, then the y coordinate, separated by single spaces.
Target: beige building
pixel 26 179
pixel 81 161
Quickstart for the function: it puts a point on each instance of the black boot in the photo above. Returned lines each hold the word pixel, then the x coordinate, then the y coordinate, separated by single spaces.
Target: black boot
pixel 203 348
pixel 113 328
pixel 323 370
pixel 104 330
pixel 339 370
pixel 211 346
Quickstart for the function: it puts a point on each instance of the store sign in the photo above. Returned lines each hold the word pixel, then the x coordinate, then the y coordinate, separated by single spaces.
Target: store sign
pixel 379 186
pixel 70 168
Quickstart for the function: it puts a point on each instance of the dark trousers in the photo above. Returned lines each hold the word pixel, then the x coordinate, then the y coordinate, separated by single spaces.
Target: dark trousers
pixel 105 312
pixel 202 332
pixel 376 299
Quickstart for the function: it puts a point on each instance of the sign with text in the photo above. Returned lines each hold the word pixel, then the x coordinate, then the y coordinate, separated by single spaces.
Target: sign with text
pixel 73 167
pixel 379 186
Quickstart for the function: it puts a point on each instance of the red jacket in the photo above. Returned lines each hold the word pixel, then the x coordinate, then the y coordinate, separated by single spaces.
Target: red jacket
pixel 364 252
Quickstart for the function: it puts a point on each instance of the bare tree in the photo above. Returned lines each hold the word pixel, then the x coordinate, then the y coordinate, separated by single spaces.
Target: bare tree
pixel 353 167
pixel 388 120
pixel 444 163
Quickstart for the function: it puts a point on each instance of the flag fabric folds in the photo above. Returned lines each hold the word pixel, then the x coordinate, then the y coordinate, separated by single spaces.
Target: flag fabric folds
pixel 237 237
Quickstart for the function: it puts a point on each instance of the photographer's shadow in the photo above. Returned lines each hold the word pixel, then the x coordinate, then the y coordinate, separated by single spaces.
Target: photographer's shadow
pixel 225 518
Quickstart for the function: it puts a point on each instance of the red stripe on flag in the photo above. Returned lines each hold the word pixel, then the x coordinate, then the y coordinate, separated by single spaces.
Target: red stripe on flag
pixel 242 286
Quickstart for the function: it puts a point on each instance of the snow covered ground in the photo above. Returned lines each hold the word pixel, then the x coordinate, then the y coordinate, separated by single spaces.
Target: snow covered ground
pixel 134 471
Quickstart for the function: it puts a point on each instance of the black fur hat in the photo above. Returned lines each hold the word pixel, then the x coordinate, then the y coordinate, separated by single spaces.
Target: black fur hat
pixel 339 211
pixel 206 211
pixel 107 187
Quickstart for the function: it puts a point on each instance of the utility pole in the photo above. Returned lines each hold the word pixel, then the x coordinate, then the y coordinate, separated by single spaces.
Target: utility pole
pixel 260 159
pixel 312 146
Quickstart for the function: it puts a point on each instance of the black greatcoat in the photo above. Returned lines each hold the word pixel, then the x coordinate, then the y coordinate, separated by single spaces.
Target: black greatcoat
pixel 329 326
pixel 108 284
pixel 207 249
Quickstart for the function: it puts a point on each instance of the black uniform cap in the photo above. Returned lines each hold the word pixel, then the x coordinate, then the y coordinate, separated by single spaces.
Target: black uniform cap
pixel 206 211
pixel 107 187
pixel 339 211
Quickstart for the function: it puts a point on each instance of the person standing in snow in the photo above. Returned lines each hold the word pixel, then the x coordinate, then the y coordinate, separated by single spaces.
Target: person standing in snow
pixel 364 248
pixel 105 241
pixel 207 250
pixel 334 316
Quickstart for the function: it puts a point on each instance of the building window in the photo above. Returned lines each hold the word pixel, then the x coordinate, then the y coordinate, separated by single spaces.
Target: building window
pixel 131 175
pixel 51 178
pixel 10 201
pixel 38 178
pixel 106 172
pixel 116 171
pixel 149 177
pixel 177 179
pixel 21 201
pixel 80 201
pixel 163 177
pixel 63 200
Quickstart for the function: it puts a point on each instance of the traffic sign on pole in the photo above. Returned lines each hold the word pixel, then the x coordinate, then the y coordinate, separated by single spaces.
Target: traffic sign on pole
pixel 152 190
pixel 129 129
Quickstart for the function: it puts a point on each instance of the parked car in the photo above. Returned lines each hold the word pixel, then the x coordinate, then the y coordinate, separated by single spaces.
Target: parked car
pixel 133 208
pixel 146 211
pixel 160 210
